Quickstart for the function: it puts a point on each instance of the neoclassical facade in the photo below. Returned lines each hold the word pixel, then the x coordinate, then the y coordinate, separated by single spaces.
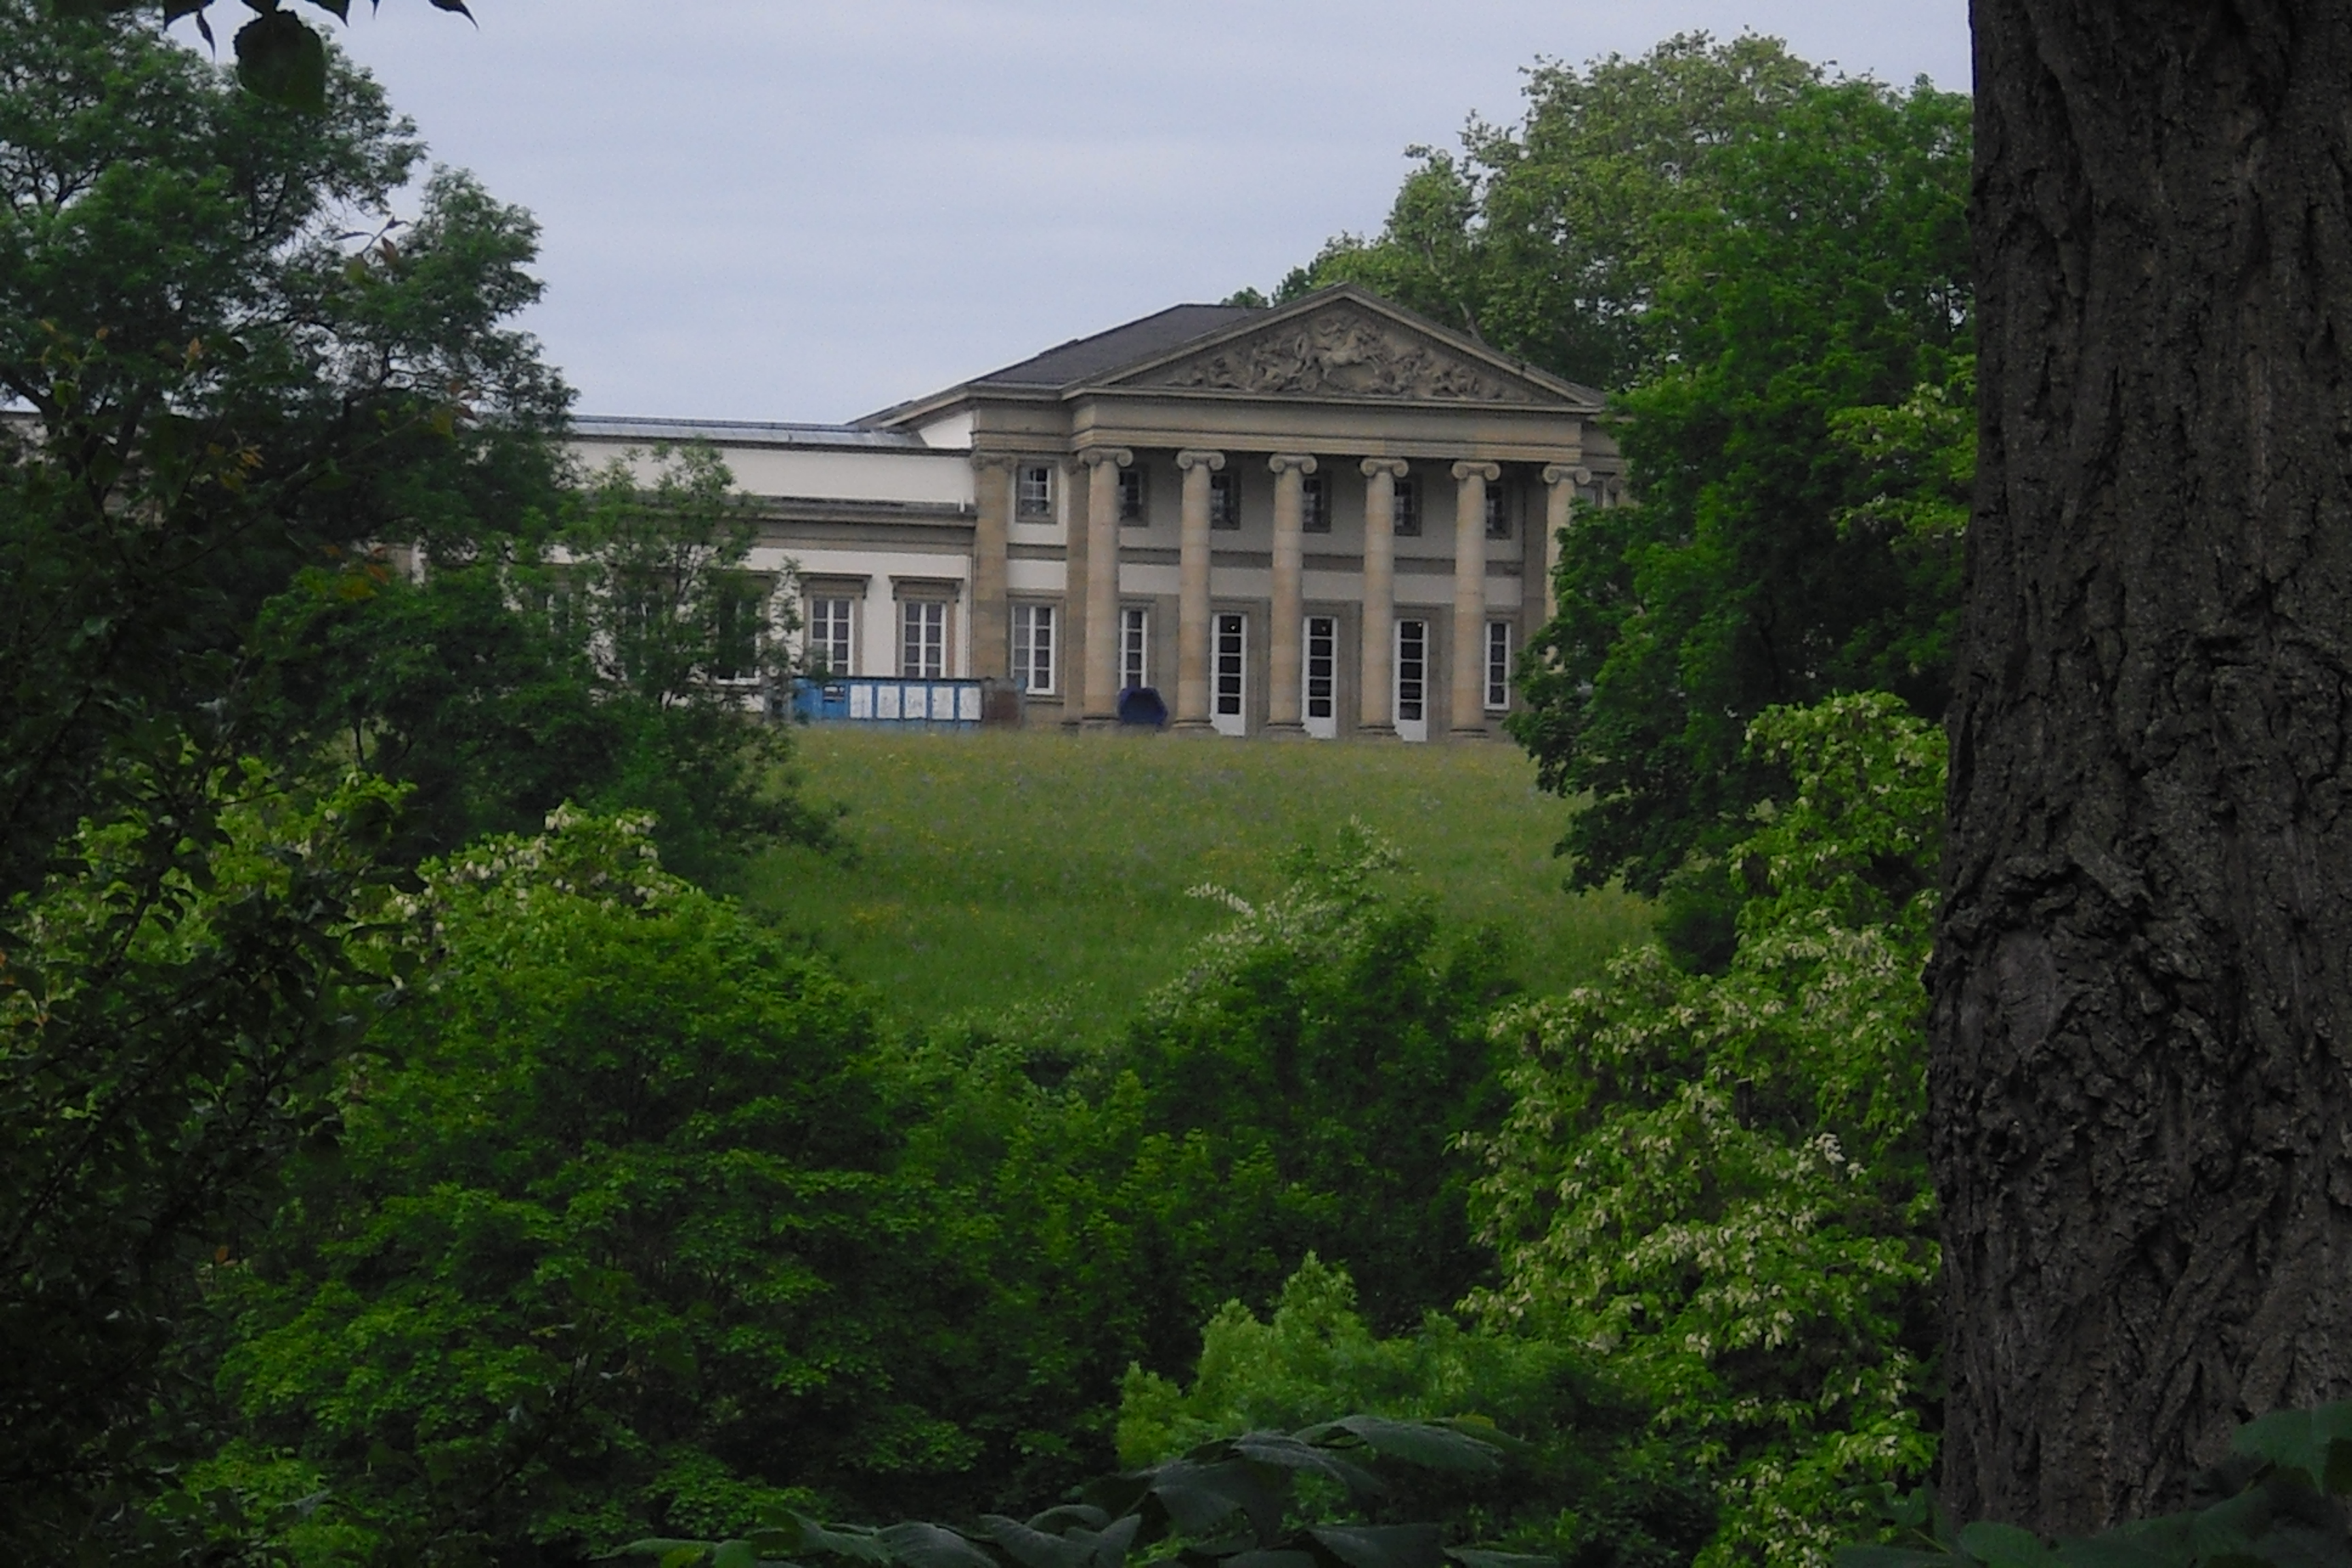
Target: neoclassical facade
pixel 1320 519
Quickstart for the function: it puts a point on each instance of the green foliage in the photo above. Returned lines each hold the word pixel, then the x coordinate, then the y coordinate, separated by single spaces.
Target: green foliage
pixel 280 57
pixel 1779 551
pixel 1718 1185
pixel 598 647
pixel 1228 1500
pixel 1331 1039
pixel 1576 1484
pixel 613 1242
pixel 1552 241
pixel 173 1001
pixel 2276 1502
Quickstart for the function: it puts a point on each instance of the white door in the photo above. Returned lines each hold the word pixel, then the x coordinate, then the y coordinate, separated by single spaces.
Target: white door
pixel 1413 680
pixel 1230 677
pixel 1319 678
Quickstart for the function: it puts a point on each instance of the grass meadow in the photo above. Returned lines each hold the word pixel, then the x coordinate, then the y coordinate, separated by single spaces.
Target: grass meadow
pixel 1022 869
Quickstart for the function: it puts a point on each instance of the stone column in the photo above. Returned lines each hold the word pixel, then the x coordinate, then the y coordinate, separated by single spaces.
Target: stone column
pixel 1561 480
pixel 1377 699
pixel 991 623
pixel 1192 593
pixel 1469 703
pixel 1103 464
pixel 1282 670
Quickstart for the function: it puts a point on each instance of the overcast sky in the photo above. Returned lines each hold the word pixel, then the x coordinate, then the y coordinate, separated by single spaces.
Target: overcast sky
pixel 811 209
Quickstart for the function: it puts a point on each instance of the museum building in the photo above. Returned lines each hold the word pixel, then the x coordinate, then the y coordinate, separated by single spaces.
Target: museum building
pixel 1323 518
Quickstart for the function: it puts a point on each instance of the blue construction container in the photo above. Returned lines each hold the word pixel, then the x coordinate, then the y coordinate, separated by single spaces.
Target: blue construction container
pixel 887 699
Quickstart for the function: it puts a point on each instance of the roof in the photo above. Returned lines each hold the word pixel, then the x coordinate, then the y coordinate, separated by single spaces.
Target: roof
pixel 1137 340
pixel 746 433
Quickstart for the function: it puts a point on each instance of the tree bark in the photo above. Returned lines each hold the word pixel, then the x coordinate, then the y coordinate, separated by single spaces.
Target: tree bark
pixel 2143 990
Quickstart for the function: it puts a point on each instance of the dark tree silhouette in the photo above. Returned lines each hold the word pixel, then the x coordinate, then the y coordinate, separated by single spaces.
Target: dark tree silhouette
pixel 2143 1012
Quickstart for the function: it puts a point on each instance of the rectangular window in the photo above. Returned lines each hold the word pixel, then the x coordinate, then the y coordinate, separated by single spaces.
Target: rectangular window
pixel 1408 506
pixel 1498 513
pixel 1131 512
pixel 1033 647
pixel 1315 505
pixel 1032 493
pixel 1134 647
pixel 827 649
pixel 923 640
pixel 1224 500
pixel 1498 666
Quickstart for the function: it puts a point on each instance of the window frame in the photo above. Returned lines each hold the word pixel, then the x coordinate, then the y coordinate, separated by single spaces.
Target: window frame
pixel 1407 513
pixel 1314 504
pixel 1134 498
pixel 1225 501
pixel 1037 507
pixel 1499 658
pixel 1134 647
pixel 911 607
pixel 1498 510
pixel 1024 655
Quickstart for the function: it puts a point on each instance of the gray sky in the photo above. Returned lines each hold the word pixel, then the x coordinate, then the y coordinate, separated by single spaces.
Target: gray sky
pixel 810 209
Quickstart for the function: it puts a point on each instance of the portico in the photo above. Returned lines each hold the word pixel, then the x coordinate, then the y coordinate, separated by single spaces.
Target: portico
pixel 1326 519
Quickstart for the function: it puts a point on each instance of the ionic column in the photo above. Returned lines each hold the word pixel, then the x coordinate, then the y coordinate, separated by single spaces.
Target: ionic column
pixel 991 630
pixel 1561 480
pixel 1282 670
pixel 1470 479
pixel 1103 464
pixel 1379 695
pixel 1192 592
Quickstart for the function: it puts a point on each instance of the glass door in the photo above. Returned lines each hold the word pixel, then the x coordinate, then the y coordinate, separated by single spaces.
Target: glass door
pixel 1320 676
pixel 1413 680
pixel 1229 679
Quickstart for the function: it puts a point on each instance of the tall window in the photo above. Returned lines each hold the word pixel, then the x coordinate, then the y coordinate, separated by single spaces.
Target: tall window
pixel 828 645
pixel 1498 666
pixel 1224 500
pixel 923 638
pixel 1315 505
pixel 1032 493
pixel 1134 647
pixel 1498 513
pixel 1130 498
pixel 1408 506
pixel 1033 647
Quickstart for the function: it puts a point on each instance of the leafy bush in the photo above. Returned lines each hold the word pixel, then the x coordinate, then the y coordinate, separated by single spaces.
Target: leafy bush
pixel 1577 1483
pixel 1719 1185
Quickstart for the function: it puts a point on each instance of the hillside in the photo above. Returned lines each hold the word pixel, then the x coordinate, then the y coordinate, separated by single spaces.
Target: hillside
pixel 1032 869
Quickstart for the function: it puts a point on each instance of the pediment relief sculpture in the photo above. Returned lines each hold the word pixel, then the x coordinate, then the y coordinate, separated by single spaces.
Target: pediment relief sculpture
pixel 1344 353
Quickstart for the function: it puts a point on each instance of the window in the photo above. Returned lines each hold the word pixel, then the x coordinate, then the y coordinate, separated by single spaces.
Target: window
pixel 1498 666
pixel 923 640
pixel 1134 647
pixel 1033 647
pixel 738 622
pixel 1320 676
pixel 1498 513
pixel 1224 500
pixel 828 647
pixel 1032 493
pixel 1408 506
pixel 1131 511
pixel 1412 678
pixel 1229 675
pixel 1315 508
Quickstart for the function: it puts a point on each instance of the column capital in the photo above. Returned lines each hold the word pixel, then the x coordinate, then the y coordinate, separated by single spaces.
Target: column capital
pixel 1566 473
pixel 986 461
pixel 1471 468
pixel 1095 457
pixel 1394 467
pixel 1282 462
pixel 1191 458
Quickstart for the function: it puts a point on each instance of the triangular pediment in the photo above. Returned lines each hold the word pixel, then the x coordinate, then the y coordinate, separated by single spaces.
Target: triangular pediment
pixel 1346 345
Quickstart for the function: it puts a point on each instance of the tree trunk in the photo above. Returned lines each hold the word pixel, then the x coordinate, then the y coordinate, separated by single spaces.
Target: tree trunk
pixel 2143 1010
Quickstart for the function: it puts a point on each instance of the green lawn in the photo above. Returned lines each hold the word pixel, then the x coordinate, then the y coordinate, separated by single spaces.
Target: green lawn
pixel 1014 868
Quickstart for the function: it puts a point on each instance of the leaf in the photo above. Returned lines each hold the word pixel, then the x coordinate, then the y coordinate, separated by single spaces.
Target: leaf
pixel 1034 1548
pixel 933 1546
pixel 2004 1546
pixel 735 1554
pixel 341 8
pixel 1471 1557
pixel 1199 1498
pixel 1890 1557
pixel 280 60
pixel 672 1552
pixel 1417 1442
pixel 1381 1545
pixel 1290 1454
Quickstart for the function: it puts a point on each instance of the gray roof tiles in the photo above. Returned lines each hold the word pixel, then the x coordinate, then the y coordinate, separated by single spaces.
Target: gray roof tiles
pixel 1138 340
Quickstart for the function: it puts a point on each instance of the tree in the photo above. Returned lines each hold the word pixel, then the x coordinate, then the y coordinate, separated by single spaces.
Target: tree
pixel 278 57
pixel 1717 1185
pixel 2142 1134
pixel 1826 274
